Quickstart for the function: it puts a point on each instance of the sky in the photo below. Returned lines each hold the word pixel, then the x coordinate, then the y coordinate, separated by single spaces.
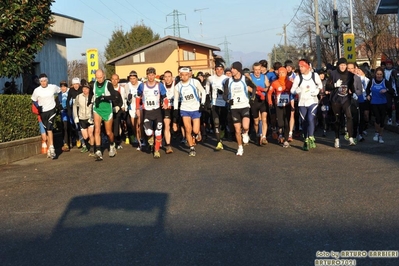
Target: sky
pixel 248 26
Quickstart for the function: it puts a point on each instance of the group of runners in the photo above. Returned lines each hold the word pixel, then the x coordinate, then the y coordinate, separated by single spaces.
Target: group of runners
pixel 234 102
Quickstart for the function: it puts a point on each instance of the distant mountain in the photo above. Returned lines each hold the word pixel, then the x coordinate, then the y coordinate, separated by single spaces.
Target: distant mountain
pixel 247 59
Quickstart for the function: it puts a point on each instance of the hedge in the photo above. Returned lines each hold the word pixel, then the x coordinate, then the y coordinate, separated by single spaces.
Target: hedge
pixel 16 118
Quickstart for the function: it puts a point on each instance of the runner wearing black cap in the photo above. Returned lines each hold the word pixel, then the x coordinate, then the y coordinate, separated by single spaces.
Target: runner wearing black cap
pixel 236 95
pixel 214 86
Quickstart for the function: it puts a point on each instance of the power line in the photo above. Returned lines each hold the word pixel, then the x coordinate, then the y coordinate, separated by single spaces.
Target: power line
pixel 110 9
pixel 156 7
pixel 295 13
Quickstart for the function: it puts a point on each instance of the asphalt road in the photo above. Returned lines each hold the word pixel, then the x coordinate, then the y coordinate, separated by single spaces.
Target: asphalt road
pixel 273 206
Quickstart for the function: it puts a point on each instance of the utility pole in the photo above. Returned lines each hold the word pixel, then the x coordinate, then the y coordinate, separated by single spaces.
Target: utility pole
pixel 318 41
pixel 285 35
pixel 176 25
pixel 200 11
pixel 226 51
pixel 336 28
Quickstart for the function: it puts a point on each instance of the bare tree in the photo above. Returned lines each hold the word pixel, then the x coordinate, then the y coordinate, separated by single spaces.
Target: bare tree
pixel 77 68
pixel 372 30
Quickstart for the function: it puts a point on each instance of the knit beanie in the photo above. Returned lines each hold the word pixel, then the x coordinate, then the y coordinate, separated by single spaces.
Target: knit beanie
pixel 237 65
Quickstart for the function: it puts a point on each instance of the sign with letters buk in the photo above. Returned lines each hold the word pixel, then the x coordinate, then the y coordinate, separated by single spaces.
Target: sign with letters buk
pixel 92 64
pixel 349 47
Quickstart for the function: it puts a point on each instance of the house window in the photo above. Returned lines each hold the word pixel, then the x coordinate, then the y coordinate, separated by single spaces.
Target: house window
pixel 139 58
pixel 188 55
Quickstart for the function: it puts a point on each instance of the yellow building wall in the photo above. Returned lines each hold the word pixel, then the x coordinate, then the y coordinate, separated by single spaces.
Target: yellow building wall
pixel 172 63
pixel 169 64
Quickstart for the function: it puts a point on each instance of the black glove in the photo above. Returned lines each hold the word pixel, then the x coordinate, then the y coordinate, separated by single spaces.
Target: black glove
pixel 231 102
pixel 89 101
pixel 40 109
pixel 220 91
pixel 99 99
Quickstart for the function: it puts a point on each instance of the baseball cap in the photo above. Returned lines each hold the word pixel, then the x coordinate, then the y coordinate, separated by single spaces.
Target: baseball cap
pixel 75 81
pixel 184 70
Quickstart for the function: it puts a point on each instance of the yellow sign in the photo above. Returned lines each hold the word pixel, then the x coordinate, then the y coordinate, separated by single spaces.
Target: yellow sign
pixel 349 47
pixel 92 64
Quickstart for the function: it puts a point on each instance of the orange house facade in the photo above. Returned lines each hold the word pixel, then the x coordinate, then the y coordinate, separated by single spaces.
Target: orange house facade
pixel 167 53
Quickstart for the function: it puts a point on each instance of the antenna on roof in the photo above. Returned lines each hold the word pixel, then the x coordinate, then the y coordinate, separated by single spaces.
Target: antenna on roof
pixel 200 10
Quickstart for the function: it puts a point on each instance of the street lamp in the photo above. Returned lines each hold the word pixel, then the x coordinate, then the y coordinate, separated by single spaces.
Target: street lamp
pixel 335 28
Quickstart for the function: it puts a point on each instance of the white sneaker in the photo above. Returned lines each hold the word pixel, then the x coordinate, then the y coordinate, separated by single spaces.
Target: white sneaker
pixel 240 151
pixel 364 133
pixel 380 140
pixel 336 143
pixel 112 150
pixel 389 122
pixel 375 138
pixel 245 138
pixel 52 152
pixel 351 142
pixel 98 155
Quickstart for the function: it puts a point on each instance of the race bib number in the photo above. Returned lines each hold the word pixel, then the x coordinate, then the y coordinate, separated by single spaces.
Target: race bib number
pixel 189 97
pixel 283 100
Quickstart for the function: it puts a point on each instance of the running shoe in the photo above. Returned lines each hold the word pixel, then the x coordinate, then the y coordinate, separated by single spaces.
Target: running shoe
pixel 336 143
pixel 48 153
pixel 306 145
pixel 65 148
pixel 240 151
pixel 157 154
pixel 91 154
pixel 84 149
pixel 127 141
pixel 119 147
pixel 360 138
pixel 280 139
pixel 286 144
pixel 389 123
pixel 183 141
pixel 263 140
pixel 219 146
pixel 375 138
pixel 98 155
pixel 312 142
pixel 169 149
pixel 346 136
pixel 380 140
pixel 112 150
pixel 151 140
pixel 245 138
pixel 78 144
pixel 351 142
pixel 192 153
pixel 52 152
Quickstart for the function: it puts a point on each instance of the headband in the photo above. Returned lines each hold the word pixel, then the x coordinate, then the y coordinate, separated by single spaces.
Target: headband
pixel 303 64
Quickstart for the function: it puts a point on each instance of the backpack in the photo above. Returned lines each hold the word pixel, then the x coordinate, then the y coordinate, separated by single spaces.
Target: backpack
pixel 301 79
